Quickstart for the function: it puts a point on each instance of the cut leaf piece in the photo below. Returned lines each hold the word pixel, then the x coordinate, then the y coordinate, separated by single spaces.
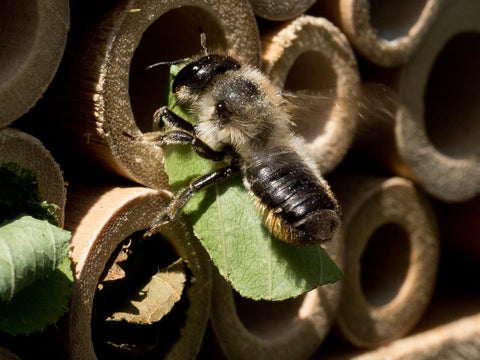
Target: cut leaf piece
pixel 156 299
pixel 29 249
pixel 231 229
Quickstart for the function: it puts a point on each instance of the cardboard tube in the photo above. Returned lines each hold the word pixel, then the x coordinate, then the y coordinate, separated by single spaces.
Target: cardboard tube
pixel 107 90
pixel 391 258
pixel 289 329
pixel 280 10
pixel 433 139
pixel 27 151
pixel 101 218
pixel 385 33
pixel 459 339
pixel 33 38
pixel 311 54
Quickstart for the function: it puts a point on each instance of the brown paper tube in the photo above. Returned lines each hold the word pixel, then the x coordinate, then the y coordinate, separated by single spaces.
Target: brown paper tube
pixel 100 219
pixel 391 258
pixel 33 38
pixel 311 54
pixel 280 10
pixel 434 137
pixel 458 339
pixel 385 33
pixel 109 91
pixel 289 329
pixel 27 151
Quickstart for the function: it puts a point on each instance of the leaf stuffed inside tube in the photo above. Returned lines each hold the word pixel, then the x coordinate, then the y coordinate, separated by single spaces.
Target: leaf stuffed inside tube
pixel 35 275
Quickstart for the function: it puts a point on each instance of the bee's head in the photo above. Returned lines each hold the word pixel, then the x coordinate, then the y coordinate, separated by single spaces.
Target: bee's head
pixel 196 75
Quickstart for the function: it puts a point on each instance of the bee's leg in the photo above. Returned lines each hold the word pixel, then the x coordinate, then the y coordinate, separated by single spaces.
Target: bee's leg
pixel 165 116
pixel 183 137
pixel 180 200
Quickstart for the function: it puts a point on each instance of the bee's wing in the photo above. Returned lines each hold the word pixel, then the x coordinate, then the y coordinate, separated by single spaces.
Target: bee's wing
pixel 311 109
pixel 307 103
pixel 377 101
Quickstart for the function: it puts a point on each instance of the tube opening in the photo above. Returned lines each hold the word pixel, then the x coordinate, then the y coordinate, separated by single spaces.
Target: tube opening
pixel 270 319
pixel 311 71
pixel 314 79
pixel 452 98
pixel 130 315
pixel 384 264
pixel 174 35
pixel 19 19
pixel 395 19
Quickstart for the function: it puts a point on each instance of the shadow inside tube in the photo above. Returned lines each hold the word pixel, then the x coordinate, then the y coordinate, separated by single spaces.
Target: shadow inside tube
pixel 174 35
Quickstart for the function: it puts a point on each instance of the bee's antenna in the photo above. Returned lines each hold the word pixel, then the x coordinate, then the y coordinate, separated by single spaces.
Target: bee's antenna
pixel 203 41
pixel 173 62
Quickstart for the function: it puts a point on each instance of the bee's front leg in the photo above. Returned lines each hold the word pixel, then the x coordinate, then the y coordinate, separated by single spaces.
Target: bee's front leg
pixel 180 200
pixel 166 117
pixel 184 135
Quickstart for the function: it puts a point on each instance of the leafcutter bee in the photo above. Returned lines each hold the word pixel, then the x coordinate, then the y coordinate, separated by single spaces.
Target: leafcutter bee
pixel 244 122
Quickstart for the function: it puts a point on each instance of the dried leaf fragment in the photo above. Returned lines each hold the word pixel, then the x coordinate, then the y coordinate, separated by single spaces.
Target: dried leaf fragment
pixel 156 299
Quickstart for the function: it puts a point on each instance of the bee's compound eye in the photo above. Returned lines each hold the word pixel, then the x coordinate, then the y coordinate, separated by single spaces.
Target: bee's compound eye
pixel 223 111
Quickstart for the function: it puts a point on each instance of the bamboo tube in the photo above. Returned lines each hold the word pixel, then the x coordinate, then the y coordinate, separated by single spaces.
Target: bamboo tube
pixel 289 329
pixel 280 10
pixel 100 218
pixel 107 90
pixel 33 38
pixel 391 259
pixel 311 54
pixel 385 33
pixel 27 151
pixel 433 139
pixel 459 339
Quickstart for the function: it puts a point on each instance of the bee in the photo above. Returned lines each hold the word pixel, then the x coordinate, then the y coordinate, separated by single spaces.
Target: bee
pixel 244 122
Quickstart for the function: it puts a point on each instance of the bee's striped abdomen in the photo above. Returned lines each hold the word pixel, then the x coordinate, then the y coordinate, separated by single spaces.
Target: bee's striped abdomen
pixel 297 207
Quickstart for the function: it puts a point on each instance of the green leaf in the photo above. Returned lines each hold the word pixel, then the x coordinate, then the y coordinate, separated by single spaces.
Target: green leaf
pixel 231 229
pixel 29 249
pixel 156 299
pixel 40 304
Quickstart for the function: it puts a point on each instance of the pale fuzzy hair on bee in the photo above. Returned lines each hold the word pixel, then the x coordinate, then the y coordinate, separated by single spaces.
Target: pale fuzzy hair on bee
pixel 254 121
pixel 249 127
